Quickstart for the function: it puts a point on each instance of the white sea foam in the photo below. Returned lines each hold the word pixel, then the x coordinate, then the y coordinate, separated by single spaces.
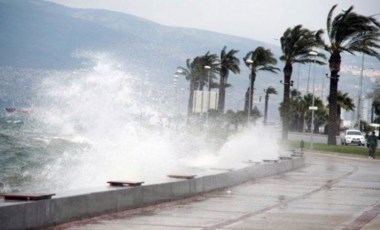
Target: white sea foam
pixel 124 132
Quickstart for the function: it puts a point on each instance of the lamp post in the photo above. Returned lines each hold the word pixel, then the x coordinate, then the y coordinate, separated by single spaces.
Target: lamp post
pixel 308 78
pixel 298 78
pixel 360 93
pixel 208 68
pixel 313 107
pixel 323 86
pixel 250 62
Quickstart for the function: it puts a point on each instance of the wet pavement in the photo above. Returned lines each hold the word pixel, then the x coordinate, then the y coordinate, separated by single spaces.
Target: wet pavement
pixel 329 192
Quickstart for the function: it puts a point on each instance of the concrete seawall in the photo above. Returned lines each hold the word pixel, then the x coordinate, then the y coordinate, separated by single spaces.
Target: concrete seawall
pixel 93 202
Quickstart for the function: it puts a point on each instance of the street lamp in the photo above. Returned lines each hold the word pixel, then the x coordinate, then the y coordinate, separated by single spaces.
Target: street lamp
pixel 313 107
pixel 250 62
pixel 360 93
pixel 208 68
pixel 308 77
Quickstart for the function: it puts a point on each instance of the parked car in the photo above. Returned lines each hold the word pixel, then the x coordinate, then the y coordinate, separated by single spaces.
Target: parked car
pixel 353 136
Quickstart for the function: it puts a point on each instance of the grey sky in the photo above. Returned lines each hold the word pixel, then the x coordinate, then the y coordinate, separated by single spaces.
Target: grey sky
pixel 264 20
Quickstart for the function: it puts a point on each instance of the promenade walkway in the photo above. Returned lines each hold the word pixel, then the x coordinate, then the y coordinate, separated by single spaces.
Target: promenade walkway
pixel 330 192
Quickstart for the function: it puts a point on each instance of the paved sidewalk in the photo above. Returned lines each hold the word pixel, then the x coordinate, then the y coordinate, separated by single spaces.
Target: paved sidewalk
pixel 330 192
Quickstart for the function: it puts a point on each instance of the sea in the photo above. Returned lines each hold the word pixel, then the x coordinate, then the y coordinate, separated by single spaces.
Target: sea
pixel 28 152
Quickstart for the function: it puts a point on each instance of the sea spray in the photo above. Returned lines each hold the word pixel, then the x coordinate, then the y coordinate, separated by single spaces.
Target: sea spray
pixel 102 123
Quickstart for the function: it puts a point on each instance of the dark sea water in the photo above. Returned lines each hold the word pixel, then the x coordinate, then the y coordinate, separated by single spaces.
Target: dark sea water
pixel 28 152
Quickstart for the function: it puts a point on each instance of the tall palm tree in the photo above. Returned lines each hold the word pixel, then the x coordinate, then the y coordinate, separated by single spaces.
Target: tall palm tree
pixel 268 91
pixel 347 32
pixel 228 62
pixel 296 44
pixel 190 76
pixel 198 75
pixel 260 59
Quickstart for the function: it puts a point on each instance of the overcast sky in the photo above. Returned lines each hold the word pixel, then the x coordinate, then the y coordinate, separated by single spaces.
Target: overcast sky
pixel 264 20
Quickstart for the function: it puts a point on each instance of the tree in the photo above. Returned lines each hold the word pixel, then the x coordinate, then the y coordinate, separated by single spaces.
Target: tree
pixel 260 59
pixel 198 75
pixel 318 114
pixel 320 118
pixel 343 102
pixel 190 76
pixel 228 62
pixel 268 91
pixel 296 44
pixel 347 32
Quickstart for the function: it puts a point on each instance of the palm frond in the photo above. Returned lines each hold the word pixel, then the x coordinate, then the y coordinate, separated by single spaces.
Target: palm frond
pixel 270 90
pixel 351 32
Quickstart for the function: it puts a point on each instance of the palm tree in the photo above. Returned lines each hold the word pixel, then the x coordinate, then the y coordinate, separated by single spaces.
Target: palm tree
pixel 321 117
pixel 308 101
pixel 347 32
pixel 198 75
pixel 343 102
pixel 190 76
pixel 228 62
pixel 268 91
pixel 296 44
pixel 260 59
pixel 296 111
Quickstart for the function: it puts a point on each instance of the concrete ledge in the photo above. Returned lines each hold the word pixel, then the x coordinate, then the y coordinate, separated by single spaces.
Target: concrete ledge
pixel 62 209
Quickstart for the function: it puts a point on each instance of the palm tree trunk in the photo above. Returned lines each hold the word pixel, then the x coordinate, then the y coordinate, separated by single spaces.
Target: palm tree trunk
pixel 333 127
pixel 222 91
pixel 246 101
pixel 285 113
pixel 338 113
pixel 191 99
pixel 266 109
pixel 252 89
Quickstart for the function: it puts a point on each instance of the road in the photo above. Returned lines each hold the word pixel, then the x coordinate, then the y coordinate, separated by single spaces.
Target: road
pixel 329 192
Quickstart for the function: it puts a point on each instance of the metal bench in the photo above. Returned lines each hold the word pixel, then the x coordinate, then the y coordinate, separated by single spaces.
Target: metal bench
pixel 182 176
pixel 270 161
pixel 27 196
pixel 125 183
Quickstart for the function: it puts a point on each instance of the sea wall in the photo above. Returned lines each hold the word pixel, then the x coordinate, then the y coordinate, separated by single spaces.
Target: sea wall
pixel 88 203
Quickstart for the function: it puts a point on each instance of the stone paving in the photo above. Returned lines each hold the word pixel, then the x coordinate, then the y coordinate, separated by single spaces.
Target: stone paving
pixel 330 192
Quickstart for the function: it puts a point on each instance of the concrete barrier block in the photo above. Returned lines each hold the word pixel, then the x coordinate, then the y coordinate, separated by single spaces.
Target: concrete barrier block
pixel 13 216
pixel 198 185
pixel 70 208
pixel 38 214
pixel 214 182
pixel 181 189
pixel 129 198
pixel 153 194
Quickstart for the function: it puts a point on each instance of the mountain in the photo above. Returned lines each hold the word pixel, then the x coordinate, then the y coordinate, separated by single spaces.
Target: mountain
pixel 47 36
pixel 53 33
